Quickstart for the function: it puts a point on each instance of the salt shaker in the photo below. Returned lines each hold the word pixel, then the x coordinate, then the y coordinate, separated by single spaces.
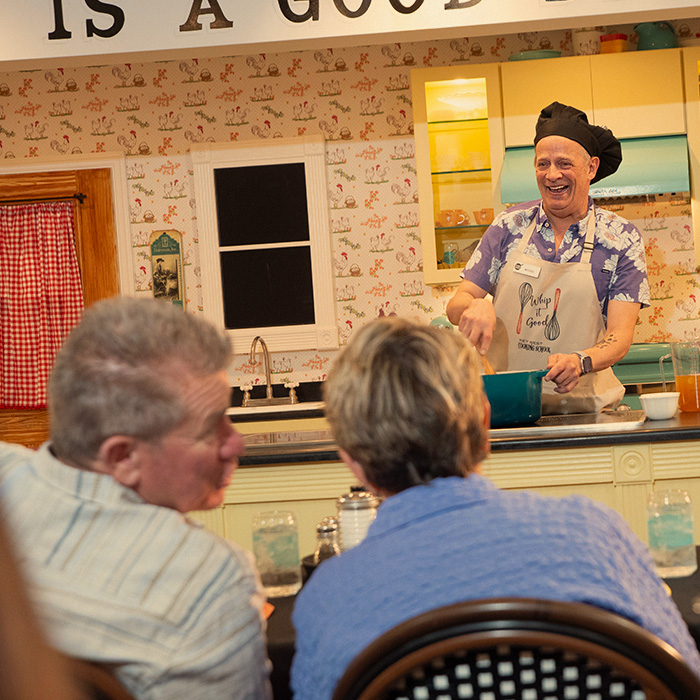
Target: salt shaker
pixel 356 511
pixel 326 539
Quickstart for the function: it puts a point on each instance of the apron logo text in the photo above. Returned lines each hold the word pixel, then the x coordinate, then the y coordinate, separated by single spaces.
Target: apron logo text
pixel 534 346
pixel 534 311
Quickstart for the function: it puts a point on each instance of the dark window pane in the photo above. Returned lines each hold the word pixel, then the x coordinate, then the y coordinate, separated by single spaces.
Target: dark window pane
pixel 261 204
pixel 267 287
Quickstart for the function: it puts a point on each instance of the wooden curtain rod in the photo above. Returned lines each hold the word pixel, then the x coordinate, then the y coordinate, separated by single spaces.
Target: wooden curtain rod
pixel 79 196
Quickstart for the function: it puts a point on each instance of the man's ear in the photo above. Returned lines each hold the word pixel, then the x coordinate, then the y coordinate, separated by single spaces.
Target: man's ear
pixel 593 165
pixel 357 470
pixel 119 456
pixel 352 465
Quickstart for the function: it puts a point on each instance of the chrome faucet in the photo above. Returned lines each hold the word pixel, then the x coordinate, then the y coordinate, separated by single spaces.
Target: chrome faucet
pixel 268 400
pixel 266 362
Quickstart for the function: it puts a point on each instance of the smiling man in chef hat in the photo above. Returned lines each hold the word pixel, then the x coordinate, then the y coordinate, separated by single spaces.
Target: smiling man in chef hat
pixel 406 405
pixel 576 319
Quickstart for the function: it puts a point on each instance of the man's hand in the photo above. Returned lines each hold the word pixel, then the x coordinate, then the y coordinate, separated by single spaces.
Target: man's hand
pixel 477 324
pixel 473 315
pixel 564 371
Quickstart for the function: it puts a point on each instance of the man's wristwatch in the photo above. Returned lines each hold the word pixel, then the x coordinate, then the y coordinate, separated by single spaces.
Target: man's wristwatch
pixel 586 363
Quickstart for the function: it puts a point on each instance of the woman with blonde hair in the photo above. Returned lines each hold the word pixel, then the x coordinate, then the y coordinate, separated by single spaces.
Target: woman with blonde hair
pixel 410 417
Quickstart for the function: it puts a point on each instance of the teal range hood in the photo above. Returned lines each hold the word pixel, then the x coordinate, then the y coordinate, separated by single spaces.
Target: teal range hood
pixel 657 165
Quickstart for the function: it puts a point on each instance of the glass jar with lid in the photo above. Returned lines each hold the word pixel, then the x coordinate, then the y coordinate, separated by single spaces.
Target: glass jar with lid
pixel 356 511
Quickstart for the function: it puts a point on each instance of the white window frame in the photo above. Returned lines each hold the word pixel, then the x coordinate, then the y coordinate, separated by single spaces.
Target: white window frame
pixel 208 157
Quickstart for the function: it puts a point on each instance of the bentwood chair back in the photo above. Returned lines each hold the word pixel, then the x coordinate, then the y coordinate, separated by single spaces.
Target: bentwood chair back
pixel 518 649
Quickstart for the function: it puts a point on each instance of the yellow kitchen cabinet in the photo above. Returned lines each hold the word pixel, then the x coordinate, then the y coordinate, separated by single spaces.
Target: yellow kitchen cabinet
pixel 635 93
pixel 639 93
pixel 458 130
pixel 529 86
pixel 691 65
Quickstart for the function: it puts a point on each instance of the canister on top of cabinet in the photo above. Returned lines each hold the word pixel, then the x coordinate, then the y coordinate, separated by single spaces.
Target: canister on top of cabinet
pixel 613 43
pixel 586 41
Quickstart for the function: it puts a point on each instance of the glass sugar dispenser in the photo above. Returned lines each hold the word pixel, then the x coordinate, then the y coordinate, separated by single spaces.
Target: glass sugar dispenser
pixel 357 510
pixel 327 544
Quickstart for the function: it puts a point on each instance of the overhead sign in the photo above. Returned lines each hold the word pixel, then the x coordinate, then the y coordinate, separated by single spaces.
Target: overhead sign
pixel 40 29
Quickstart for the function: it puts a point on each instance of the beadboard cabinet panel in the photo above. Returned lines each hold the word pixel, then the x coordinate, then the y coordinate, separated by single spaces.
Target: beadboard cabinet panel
pixel 619 476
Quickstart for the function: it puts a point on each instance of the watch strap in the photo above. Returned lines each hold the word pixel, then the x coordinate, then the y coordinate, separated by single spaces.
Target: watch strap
pixel 586 362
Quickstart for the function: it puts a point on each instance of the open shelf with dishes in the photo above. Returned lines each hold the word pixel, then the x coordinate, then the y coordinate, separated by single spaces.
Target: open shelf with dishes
pixel 459 149
pixel 454 245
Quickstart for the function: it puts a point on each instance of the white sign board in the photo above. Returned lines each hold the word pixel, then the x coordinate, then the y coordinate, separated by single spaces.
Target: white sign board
pixel 41 29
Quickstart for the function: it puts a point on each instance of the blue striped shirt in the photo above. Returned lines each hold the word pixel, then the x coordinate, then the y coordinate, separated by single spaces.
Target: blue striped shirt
pixel 175 608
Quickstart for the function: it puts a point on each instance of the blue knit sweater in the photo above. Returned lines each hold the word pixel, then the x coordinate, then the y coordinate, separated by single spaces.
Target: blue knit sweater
pixel 457 539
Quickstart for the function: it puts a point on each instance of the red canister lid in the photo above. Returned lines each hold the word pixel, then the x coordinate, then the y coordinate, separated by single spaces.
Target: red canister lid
pixel 612 37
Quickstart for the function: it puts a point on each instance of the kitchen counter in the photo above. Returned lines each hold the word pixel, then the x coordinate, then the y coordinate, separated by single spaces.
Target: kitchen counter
pixel 294 465
pixel 626 428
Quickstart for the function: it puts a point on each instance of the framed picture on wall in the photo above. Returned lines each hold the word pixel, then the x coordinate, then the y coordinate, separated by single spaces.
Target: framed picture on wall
pixel 166 265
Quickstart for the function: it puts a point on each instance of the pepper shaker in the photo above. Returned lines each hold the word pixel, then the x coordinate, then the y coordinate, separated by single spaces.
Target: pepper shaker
pixel 326 539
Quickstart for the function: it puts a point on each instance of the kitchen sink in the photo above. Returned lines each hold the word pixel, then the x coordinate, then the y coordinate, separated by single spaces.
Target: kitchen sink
pixel 237 411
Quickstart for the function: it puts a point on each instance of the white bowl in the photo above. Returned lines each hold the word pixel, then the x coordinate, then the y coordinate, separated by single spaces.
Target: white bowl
pixel 660 406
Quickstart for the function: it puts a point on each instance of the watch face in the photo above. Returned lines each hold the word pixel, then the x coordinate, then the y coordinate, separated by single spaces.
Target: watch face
pixel 587 365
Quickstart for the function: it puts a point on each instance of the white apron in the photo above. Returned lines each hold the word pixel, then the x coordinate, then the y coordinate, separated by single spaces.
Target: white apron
pixel 543 308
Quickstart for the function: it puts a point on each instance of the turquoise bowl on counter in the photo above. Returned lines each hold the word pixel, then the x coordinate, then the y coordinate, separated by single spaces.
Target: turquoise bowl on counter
pixel 515 397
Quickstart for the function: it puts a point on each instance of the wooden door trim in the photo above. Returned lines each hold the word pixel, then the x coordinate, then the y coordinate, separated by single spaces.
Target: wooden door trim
pixel 98 251
pixel 116 163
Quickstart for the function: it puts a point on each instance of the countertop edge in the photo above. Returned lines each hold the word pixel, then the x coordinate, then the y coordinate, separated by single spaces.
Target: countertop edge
pixel 294 456
pixel 674 430
pixel 643 434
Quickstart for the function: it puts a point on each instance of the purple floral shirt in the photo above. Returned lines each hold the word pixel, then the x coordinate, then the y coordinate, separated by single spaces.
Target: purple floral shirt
pixel 618 263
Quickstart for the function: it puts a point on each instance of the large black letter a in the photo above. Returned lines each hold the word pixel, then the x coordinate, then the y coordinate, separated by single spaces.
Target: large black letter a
pixel 192 24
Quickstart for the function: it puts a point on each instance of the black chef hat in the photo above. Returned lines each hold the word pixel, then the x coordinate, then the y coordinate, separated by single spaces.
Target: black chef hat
pixel 561 120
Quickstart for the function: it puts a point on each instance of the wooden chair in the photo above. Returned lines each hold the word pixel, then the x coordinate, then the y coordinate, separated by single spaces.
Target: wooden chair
pixel 97 681
pixel 518 649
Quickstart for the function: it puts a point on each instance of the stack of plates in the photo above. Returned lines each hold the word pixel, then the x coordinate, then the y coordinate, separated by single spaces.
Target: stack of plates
pixel 539 53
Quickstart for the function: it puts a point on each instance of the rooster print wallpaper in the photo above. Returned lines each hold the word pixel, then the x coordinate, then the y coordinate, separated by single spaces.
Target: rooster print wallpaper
pixel 359 99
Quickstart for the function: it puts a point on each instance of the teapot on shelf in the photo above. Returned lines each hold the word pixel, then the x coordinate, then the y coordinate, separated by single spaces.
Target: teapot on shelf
pixel 655 35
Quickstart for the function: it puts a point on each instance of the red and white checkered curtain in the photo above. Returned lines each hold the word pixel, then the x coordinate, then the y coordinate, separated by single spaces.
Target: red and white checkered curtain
pixel 41 297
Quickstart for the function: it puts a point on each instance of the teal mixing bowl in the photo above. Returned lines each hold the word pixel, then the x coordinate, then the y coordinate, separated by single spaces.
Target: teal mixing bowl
pixel 515 397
